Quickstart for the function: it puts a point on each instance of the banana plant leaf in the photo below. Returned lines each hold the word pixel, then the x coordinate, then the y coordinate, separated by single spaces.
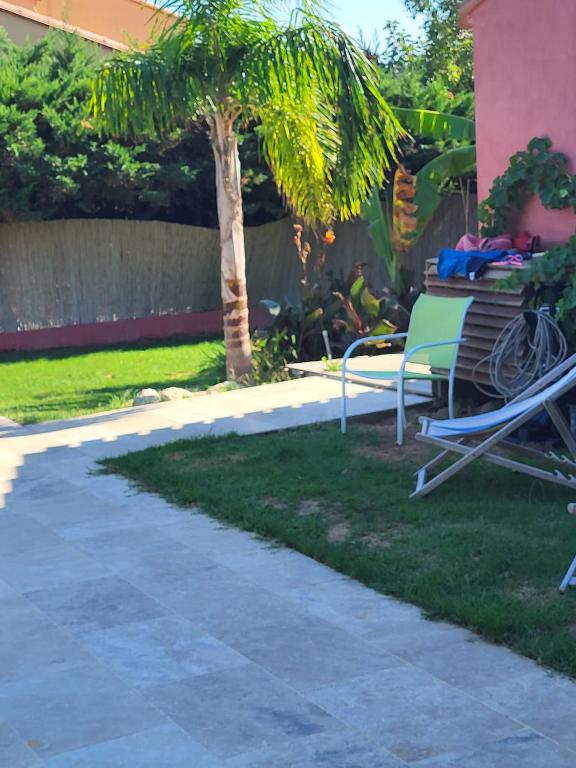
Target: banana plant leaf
pixel 383 328
pixel 379 218
pixel 312 317
pixel 436 125
pixel 429 180
pixel 356 290
pixel 370 303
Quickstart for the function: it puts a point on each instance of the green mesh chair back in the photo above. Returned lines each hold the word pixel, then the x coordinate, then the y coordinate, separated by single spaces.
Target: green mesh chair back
pixel 433 319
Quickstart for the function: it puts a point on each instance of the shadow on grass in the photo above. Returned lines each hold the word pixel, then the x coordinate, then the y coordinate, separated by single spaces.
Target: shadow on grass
pixel 79 352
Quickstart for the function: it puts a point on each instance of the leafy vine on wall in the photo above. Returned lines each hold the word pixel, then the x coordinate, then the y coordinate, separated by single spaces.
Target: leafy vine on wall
pixel 535 171
pixel 550 279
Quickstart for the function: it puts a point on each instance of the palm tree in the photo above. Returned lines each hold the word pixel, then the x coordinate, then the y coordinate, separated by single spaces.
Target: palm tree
pixel 327 132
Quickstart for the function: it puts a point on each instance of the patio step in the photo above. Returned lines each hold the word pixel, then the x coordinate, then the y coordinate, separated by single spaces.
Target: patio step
pixel 266 408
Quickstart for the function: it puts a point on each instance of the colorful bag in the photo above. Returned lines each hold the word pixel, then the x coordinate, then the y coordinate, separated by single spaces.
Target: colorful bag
pixel 470 242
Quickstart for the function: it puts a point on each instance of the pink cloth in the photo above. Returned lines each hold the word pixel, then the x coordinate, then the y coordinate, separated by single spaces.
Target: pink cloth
pixel 470 242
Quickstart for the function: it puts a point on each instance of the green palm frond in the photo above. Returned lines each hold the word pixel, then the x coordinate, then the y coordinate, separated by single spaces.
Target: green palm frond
pixel 436 125
pixel 328 134
pixel 138 93
pixel 324 82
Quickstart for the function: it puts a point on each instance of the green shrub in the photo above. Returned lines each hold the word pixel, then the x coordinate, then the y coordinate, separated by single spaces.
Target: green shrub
pixel 54 165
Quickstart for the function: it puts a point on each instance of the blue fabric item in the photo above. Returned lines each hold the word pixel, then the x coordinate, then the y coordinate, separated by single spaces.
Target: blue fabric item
pixel 451 262
pixel 469 263
pixel 478 264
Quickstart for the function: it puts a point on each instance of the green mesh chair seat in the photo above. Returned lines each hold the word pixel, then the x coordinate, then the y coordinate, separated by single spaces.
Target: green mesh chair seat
pixel 433 340
pixel 393 375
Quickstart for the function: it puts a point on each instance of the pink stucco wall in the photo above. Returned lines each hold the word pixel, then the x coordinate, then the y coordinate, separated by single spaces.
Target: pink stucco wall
pixel 525 63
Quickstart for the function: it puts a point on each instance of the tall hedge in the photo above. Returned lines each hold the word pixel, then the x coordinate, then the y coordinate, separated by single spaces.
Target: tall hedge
pixel 54 165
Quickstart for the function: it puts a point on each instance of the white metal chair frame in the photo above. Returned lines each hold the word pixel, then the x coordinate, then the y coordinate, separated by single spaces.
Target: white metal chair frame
pixel 402 377
pixel 569 579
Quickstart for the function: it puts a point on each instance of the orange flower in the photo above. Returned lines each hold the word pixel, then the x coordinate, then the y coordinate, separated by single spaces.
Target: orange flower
pixel 329 237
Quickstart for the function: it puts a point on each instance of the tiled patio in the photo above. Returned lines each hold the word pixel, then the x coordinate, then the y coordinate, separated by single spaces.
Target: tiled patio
pixel 138 635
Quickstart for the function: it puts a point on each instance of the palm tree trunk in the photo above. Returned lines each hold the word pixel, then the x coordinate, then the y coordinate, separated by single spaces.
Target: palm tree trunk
pixel 233 257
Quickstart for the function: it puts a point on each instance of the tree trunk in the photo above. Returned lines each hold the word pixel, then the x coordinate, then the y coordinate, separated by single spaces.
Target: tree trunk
pixel 233 256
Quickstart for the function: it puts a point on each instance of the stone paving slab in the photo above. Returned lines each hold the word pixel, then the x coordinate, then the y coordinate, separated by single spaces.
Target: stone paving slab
pixel 166 746
pixel 7 426
pixel 252 410
pixel 134 634
pixel 528 750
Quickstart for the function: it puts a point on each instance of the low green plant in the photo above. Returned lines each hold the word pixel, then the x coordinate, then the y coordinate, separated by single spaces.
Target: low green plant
pixel 366 313
pixel 343 308
pixel 118 400
pixel 271 353
pixel 550 279
pixel 331 365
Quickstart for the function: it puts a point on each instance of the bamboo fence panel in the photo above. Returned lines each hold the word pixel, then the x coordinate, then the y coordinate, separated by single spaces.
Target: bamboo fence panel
pixel 82 271
pixel 79 271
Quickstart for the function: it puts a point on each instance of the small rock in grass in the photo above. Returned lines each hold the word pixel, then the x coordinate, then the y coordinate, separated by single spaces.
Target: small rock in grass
pixel 174 393
pixel 147 397
pixel 223 386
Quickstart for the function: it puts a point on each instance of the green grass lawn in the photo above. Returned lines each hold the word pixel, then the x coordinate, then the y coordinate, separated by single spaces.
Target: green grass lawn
pixel 486 550
pixel 56 385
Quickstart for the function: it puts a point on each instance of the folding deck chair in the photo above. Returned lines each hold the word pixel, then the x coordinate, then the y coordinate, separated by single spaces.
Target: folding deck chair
pixel 569 579
pixel 451 435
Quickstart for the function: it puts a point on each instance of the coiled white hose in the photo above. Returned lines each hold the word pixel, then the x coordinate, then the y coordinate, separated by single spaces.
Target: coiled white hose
pixel 529 346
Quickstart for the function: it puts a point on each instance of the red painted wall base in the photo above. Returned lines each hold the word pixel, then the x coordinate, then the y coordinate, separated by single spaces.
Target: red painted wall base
pixel 121 331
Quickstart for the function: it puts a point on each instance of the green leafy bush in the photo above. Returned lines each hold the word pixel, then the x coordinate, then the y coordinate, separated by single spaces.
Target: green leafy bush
pixel 550 279
pixel 272 351
pixel 445 46
pixel 53 163
pixel 344 308
pixel 535 171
